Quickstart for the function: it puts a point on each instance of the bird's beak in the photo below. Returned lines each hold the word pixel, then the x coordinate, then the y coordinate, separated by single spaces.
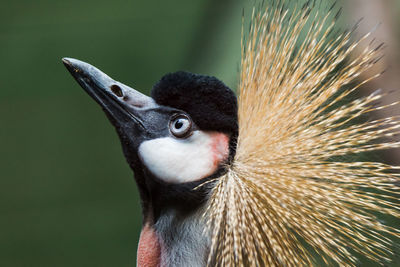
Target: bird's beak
pixel 121 103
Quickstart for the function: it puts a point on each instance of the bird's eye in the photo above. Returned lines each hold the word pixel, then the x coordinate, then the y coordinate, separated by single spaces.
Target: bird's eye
pixel 180 125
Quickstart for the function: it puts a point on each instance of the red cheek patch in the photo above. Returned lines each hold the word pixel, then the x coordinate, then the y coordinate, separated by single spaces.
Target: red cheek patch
pixel 219 148
pixel 149 249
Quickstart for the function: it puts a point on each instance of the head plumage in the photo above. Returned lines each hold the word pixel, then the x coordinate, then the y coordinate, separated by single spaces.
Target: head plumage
pixel 295 190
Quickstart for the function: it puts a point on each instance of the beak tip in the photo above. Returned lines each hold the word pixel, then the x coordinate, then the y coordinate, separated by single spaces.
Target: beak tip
pixel 75 65
pixel 67 63
pixel 65 60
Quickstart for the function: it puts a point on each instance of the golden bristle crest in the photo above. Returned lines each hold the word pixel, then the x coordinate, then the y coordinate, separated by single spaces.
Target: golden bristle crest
pixel 291 189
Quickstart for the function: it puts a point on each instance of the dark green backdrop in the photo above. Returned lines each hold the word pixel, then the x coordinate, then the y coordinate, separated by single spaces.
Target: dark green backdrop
pixel 67 198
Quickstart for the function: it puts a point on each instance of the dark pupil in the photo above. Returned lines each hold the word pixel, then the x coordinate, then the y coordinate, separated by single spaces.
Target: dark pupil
pixel 178 124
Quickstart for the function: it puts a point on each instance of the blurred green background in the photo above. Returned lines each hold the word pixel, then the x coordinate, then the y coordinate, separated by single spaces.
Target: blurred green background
pixel 67 197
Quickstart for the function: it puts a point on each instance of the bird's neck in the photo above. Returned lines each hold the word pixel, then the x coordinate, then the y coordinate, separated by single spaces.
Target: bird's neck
pixel 173 230
pixel 173 240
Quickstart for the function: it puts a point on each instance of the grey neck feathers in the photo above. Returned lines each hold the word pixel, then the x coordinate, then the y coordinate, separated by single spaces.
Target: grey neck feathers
pixel 183 240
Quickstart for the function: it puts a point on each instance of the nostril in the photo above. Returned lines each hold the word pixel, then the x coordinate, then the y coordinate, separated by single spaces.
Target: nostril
pixel 117 90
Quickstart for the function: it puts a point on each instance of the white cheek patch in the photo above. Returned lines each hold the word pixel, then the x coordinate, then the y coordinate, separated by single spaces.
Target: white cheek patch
pixel 185 160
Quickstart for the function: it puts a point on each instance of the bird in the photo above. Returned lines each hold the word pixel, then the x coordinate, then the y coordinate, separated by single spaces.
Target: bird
pixel 270 177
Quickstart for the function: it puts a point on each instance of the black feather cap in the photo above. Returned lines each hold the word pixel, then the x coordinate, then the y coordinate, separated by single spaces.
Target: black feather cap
pixel 211 104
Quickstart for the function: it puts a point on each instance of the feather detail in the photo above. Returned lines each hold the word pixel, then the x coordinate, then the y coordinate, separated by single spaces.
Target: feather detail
pixel 295 190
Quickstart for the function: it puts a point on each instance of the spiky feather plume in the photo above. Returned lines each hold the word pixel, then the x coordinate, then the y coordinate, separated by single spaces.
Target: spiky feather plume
pixel 291 187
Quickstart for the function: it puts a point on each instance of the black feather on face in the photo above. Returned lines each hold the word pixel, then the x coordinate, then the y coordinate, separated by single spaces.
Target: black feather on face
pixel 211 104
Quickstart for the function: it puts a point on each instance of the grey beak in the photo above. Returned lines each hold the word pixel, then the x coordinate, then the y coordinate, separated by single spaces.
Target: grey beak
pixel 120 102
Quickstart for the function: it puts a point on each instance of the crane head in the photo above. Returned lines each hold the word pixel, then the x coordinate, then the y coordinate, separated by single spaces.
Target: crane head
pixel 174 140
